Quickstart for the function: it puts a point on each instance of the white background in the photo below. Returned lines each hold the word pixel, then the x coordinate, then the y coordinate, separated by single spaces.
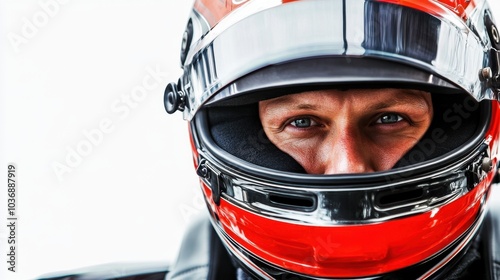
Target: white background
pixel 70 69
pixel 130 194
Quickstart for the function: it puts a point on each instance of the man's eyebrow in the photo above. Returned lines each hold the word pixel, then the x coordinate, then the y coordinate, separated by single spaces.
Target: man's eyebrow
pixel 404 97
pixel 305 106
pixel 289 102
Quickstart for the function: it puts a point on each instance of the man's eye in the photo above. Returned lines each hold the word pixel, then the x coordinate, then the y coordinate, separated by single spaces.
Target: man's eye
pixel 302 122
pixel 389 118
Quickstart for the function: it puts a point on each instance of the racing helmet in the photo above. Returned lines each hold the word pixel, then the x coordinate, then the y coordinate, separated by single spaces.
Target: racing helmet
pixel 417 218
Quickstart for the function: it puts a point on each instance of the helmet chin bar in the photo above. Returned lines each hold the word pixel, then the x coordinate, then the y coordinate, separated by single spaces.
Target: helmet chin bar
pixel 435 266
pixel 315 205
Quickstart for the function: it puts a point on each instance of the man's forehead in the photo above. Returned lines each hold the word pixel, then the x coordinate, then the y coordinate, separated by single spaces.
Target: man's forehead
pixel 308 98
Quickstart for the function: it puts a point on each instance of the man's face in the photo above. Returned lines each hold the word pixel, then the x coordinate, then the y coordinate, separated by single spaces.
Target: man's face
pixel 353 131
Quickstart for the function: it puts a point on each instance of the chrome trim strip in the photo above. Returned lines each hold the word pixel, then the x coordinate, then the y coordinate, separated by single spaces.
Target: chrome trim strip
pixel 327 205
pixel 268 33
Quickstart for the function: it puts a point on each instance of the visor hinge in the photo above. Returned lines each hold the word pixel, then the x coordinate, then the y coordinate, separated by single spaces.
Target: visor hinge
pixel 496 69
pixel 478 169
pixel 174 99
pixel 212 178
pixel 492 74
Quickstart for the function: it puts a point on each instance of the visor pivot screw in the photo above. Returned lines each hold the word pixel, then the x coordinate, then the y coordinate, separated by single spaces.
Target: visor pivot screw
pixel 494 34
pixel 173 99
pixel 487 164
pixel 184 41
pixel 202 170
pixel 486 73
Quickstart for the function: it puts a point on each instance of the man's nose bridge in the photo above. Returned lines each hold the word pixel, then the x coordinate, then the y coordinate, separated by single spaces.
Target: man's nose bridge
pixel 347 154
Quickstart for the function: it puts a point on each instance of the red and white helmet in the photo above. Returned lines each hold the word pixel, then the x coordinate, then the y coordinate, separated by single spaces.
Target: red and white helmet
pixel 278 221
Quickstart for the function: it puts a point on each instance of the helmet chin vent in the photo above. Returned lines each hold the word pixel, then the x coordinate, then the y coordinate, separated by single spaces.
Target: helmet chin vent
pixel 294 202
pixel 400 197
